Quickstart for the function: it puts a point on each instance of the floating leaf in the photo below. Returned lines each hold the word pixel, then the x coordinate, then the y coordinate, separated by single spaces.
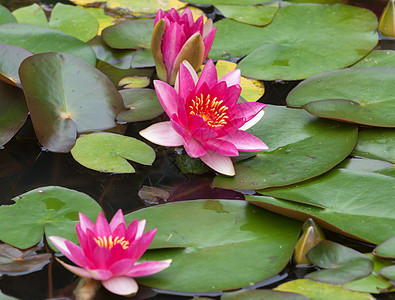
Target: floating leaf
pixel 342 264
pixel 10 59
pixel 111 152
pixel 316 1
pixel 301 146
pixel 145 7
pixel 253 15
pixel 321 291
pixel 210 241
pixel 39 39
pixel 51 210
pixel 100 16
pixel 66 96
pixel 86 2
pixel 387 20
pixel 6 16
pixel 378 58
pixel 131 34
pixel 229 2
pixel 303 40
pixel 140 104
pixel 74 20
pixel 388 272
pixel 386 249
pixel 143 58
pixel 189 164
pixel 13 111
pixel 262 294
pixel 352 203
pixel 153 195
pixel 365 165
pixel 32 14
pixel 376 143
pixel 134 82
pixel 358 95
pixel 14 261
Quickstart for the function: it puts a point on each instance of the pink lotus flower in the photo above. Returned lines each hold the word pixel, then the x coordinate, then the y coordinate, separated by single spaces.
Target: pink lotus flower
pixel 109 252
pixel 176 38
pixel 205 117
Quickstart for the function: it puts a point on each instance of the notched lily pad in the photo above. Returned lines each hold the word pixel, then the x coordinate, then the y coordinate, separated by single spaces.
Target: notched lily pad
pixel 111 152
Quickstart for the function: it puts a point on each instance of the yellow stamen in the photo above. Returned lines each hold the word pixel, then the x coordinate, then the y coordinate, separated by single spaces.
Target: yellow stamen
pixel 211 110
pixel 109 242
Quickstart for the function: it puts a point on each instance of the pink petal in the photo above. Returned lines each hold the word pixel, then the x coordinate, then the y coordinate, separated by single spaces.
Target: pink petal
pixel 200 130
pixel 122 267
pixel 167 97
pixel 193 147
pixel 245 141
pixel 149 267
pixel 159 15
pixel 103 258
pixel 253 121
pixel 137 248
pixel 221 147
pixel 131 230
pixel 208 76
pixel 186 84
pixel 85 223
pixel 231 98
pixel 100 274
pixel 172 41
pixel 78 256
pixel 101 226
pixel 76 270
pixel 248 110
pixel 82 237
pixel 117 252
pixel 163 134
pixel 207 27
pixel 119 231
pixel 221 164
pixel 189 15
pixel 117 219
pixel 121 285
pixel 231 78
pixel 59 243
pixel 140 229
pixel 208 41
pixel 179 128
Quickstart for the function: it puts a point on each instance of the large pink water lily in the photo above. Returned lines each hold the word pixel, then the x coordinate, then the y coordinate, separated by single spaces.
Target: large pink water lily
pixel 205 117
pixel 109 252
pixel 176 38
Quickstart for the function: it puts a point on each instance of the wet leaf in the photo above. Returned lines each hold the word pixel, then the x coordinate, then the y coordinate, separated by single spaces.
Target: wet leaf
pixel 39 39
pixel 74 20
pixel 386 249
pixel 207 260
pixel 303 40
pixel 6 16
pixel 321 291
pixel 189 164
pixel 341 264
pixel 365 165
pixel 15 261
pixel 13 111
pixel 357 95
pixel 32 14
pixel 10 59
pixel 134 82
pixel 139 7
pixel 262 294
pixel 301 146
pixel 253 15
pixel 387 19
pixel 153 194
pixel 378 58
pixel 111 152
pixel 140 104
pixel 66 96
pixel 52 210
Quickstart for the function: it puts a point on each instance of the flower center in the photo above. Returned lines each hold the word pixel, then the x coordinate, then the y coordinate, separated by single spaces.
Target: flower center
pixel 109 242
pixel 211 110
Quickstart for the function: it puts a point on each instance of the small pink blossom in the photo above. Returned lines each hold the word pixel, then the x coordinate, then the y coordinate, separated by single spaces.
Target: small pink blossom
pixel 109 252
pixel 205 117
pixel 176 38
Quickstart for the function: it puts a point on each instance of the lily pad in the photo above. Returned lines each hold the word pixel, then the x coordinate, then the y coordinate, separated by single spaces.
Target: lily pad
pixel 342 264
pixel 214 244
pixel 66 95
pixel 138 7
pixel 32 14
pixel 6 16
pixel 10 59
pixel 111 152
pixel 262 294
pixel 13 111
pixel 143 59
pixel 357 95
pixel 321 291
pixel 253 15
pixel 386 249
pixel 134 82
pixel 301 146
pixel 376 143
pixel 353 203
pixel 378 58
pixel 131 34
pixel 140 104
pixel 15 261
pixel 229 2
pixel 52 210
pixel 39 39
pixel 100 16
pixel 303 40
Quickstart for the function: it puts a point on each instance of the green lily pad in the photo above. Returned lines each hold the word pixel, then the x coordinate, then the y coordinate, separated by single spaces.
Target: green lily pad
pixel 111 152
pixel 6 16
pixel 189 164
pixel 142 59
pixel 66 95
pixel 117 58
pixel 342 264
pixel 349 202
pixel 138 7
pixel 140 104
pixel 5 297
pixel 74 20
pixel 39 39
pixel 10 59
pixel 376 143
pixel 386 249
pixel 214 244
pixel 262 294
pixel 321 291
pixel 301 146
pixel 131 34
pixel 253 15
pixel 32 14
pixel 388 272
pixel 49 210
pixel 357 95
pixel 372 283
pixel 229 2
pixel 378 58
pixel 303 40
pixel 134 82
pixel 316 1
pixel 366 165
pixel 13 111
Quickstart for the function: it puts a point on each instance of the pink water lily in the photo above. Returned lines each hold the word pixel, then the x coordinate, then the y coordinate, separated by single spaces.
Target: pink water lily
pixel 205 117
pixel 109 252
pixel 176 38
